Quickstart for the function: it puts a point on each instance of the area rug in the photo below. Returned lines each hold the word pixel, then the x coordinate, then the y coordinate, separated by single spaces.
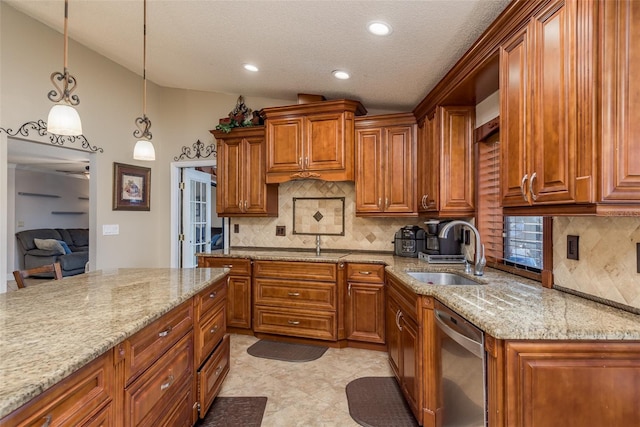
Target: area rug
pixel 234 412
pixel 288 352
pixel 378 402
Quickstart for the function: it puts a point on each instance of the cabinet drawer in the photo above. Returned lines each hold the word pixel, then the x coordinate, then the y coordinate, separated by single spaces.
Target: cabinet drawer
pixel 211 376
pixel 238 266
pixel 208 332
pixel 152 396
pixel 296 322
pixel 143 348
pixel 208 299
pixel 74 401
pixel 315 295
pixel 296 270
pixel 103 419
pixel 370 273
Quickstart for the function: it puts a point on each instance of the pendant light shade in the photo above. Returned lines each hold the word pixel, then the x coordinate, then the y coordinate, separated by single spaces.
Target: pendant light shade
pixel 143 149
pixel 63 119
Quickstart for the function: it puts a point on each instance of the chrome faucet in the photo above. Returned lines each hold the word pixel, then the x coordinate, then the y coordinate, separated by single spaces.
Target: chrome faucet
pixel 318 245
pixel 480 260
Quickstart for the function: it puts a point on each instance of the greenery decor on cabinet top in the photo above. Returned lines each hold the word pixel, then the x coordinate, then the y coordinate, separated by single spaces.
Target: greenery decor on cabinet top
pixel 240 116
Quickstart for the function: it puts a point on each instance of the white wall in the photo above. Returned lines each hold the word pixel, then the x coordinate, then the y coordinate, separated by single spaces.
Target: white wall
pixel 110 100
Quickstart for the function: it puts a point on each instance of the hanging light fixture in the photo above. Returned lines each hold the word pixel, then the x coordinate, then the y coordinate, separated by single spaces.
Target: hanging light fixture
pixel 63 119
pixel 144 148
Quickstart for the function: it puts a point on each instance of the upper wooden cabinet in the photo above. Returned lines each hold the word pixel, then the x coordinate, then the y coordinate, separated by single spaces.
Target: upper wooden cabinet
pixel 241 189
pixel 314 140
pixel 446 179
pixel 538 109
pixel 385 165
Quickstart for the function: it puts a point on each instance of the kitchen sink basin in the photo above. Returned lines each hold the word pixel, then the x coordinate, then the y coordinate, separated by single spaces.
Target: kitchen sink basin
pixel 441 278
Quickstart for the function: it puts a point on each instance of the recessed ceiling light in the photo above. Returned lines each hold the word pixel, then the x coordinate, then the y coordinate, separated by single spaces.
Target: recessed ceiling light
pixel 250 67
pixel 339 74
pixel 379 28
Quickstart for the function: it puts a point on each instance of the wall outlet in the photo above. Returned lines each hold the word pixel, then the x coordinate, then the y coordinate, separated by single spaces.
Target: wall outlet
pixel 281 230
pixel 236 228
pixel 573 247
pixel 638 257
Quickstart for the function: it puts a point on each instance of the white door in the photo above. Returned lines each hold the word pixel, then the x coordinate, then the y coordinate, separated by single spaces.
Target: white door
pixel 196 216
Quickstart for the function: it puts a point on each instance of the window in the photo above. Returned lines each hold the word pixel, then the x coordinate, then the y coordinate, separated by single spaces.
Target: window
pixel 512 243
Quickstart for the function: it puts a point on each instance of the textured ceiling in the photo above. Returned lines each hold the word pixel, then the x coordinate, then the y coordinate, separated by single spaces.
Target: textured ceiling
pixel 202 45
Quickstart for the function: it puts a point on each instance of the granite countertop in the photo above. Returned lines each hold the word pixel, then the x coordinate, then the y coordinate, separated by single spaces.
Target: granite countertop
pixel 504 305
pixel 51 330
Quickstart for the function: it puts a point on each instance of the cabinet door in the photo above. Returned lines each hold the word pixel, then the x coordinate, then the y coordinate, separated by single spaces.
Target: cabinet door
pixel 513 127
pixel 365 312
pixel 253 167
pixel 393 335
pixel 239 302
pixel 431 166
pixel 553 78
pixel 411 364
pixel 457 178
pixel 229 195
pixel 324 149
pixel 399 195
pixel 369 174
pixel 620 107
pixel 284 144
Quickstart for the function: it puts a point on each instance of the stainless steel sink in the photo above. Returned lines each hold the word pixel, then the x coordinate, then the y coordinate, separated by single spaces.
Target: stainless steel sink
pixel 441 278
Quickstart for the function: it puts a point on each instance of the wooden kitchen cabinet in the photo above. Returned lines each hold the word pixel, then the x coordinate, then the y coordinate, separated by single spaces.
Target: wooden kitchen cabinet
pixel 82 399
pixel 313 141
pixel 365 303
pixel 239 288
pixel 446 177
pixel 573 383
pixel 241 186
pixel 404 343
pixel 385 165
pixel 538 111
pixel 298 299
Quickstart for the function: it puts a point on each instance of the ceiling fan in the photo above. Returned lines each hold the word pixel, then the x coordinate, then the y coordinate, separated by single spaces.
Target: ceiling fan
pixel 85 172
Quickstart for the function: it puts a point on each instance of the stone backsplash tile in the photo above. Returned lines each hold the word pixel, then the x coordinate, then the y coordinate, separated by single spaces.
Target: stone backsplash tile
pixel 371 234
pixel 607 265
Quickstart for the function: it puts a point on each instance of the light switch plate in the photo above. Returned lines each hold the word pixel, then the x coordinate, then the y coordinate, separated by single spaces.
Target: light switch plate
pixel 110 229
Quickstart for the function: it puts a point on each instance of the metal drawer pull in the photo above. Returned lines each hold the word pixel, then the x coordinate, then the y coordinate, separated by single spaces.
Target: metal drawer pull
pixel 227 266
pixel 166 385
pixel 214 329
pixel 165 332
pixel 533 178
pixel 522 187
pixel 294 294
pixel 218 370
pixel 47 421
pixel 294 322
pixel 364 272
pixel 213 294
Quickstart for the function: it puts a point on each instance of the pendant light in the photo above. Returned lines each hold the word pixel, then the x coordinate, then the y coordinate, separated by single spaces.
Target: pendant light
pixel 63 119
pixel 144 148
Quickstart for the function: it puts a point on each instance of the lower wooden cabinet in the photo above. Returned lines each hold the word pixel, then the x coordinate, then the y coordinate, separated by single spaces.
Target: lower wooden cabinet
pixel 211 376
pixel 365 303
pixel 82 399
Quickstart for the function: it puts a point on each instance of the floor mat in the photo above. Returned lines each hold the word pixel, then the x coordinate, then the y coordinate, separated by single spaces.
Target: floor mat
pixel 289 352
pixel 378 402
pixel 234 412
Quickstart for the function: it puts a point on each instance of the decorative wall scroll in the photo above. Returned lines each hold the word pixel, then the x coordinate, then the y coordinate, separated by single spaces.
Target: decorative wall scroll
pixel 199 151
pixel 40 127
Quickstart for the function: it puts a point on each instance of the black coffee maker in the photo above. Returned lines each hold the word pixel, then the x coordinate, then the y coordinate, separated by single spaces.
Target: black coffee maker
pixel 409 241
pixel 435 245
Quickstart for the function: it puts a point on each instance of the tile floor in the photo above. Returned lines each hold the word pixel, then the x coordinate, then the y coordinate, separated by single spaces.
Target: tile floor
pixel 310 394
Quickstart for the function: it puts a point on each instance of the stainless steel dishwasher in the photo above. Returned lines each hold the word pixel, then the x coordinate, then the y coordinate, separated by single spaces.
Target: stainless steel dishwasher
pixel 462 367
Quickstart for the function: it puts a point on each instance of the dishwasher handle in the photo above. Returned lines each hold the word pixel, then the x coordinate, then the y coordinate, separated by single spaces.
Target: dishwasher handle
pixel 473 346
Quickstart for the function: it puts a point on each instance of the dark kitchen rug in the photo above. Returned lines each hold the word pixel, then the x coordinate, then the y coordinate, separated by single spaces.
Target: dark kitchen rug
pixel 235 412
pixel 288 352
pixel 378 402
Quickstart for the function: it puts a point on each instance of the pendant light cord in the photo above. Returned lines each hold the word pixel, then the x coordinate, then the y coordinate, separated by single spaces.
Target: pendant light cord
pixel 66 34
pixel 144 62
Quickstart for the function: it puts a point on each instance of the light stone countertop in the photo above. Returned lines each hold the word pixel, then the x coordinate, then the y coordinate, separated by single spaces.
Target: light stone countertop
pixel 51 330
pixel 505 306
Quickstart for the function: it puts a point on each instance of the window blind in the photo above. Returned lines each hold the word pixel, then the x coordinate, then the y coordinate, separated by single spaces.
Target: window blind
pixel 489 221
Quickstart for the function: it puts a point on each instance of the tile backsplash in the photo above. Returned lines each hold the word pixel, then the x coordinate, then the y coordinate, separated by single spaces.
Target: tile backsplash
pixel 607 266
pixel 371 234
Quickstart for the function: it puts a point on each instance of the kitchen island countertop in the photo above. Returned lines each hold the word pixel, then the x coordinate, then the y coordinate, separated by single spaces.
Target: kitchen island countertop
pixel 51 330
pixel 504 306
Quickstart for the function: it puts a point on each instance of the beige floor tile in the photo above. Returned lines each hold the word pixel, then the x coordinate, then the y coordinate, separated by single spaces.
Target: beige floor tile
pixel 309 394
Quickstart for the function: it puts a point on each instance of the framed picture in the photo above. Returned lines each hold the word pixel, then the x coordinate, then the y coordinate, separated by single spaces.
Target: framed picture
pixel 131 188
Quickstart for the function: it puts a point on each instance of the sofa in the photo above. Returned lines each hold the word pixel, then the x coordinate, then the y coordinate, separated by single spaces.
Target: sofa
pixel 68 246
